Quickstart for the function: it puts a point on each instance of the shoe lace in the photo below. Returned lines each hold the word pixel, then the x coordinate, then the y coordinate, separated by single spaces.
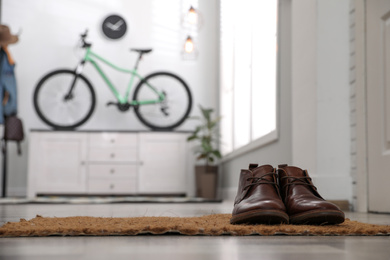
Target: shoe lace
pixel 298 181
pixel 261 180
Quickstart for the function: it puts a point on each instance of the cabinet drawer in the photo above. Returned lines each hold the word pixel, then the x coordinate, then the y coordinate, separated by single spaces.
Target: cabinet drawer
pixel 113 140
pixel 112 187
pixel 106 154
pixel 107 171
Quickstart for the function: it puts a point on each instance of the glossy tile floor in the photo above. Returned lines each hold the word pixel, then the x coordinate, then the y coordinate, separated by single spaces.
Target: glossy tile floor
pixel 181 247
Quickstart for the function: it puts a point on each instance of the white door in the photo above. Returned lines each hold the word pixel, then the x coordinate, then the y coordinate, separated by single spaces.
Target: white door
pixel 163 159
pixel 61 163
pixel 378 104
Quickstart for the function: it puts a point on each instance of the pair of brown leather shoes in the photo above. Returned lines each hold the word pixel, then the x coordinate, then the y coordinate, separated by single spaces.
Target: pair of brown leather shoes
pixel 285 195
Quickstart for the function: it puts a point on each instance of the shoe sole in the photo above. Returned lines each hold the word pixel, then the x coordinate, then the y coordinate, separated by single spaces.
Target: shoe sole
pixel 318 217
pixel 270 217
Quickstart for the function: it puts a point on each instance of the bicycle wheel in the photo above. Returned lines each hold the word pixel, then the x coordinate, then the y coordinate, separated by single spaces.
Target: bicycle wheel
pixel 57 107
pixel 169 113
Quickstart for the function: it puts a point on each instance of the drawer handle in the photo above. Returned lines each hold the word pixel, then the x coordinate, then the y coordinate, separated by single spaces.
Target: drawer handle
pixel 112 171
pixel 112 155
pixel 112 186
pixel 112 140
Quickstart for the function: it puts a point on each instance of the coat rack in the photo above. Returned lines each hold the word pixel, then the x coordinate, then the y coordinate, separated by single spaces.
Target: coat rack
pixel 8 106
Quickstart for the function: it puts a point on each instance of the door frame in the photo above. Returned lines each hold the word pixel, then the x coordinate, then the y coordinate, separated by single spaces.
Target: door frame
pixel 359 153
pixel 358 101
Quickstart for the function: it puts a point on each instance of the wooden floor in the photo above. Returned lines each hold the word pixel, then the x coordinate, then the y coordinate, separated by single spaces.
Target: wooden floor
pixel 181 247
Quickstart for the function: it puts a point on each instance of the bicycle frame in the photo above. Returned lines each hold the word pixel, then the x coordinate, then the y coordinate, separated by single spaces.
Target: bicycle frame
pixel 90 56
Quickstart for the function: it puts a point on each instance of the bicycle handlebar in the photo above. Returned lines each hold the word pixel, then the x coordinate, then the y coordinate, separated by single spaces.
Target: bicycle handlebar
pixel 83 36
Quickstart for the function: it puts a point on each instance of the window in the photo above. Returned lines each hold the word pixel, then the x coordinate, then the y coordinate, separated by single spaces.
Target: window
pixel 248 71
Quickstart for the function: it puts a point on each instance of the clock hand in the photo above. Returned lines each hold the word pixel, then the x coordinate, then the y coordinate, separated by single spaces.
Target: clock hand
pixel 110 25
pixel 117 25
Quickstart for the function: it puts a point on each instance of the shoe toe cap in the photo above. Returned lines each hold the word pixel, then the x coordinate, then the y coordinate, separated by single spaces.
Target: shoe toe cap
pixel 251 204
pixel 304 205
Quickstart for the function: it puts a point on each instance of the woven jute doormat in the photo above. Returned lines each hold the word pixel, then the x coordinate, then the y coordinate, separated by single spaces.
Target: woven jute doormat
pixel 212 225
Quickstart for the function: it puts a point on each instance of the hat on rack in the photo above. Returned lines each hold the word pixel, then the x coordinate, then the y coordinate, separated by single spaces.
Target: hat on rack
pixel 6 37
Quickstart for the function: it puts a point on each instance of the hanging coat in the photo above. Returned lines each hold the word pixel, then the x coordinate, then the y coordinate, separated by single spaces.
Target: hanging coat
pixel 7 86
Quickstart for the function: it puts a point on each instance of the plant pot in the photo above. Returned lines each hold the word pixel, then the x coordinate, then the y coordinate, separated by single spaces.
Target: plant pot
pixel 206 181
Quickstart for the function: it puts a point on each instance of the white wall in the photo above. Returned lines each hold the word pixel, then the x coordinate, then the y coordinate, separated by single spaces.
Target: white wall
pixel 50 30
pixel 304 83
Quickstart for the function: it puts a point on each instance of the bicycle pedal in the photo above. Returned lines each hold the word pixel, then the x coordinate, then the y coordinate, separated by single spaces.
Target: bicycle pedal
pixel 111 103
pixel 164 110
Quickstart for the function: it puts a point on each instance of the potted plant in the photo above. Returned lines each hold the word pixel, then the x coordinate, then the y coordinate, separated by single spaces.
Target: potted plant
pixel 207 152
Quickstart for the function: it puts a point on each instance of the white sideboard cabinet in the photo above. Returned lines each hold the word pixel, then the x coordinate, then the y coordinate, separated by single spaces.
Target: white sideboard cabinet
pixel 108 163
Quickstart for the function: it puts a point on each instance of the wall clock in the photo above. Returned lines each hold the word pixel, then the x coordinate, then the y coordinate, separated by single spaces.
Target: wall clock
pixel 114 27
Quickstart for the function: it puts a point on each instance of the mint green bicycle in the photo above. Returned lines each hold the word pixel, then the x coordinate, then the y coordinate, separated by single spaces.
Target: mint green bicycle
pixel 65 99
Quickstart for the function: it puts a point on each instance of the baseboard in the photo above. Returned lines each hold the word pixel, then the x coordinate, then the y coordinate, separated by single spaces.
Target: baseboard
pixel 334 187
pixel 16 192
pixel 229 193
pixel 342 204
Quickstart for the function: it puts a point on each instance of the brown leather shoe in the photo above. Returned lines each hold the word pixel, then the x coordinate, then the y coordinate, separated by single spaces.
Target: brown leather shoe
pixel 303 202
pixel 258 200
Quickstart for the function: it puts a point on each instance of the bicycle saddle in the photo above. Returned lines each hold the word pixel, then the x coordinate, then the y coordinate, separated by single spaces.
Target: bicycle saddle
pixel 142 51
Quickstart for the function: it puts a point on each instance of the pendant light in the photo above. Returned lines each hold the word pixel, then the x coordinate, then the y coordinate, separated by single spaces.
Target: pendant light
pixel 189 45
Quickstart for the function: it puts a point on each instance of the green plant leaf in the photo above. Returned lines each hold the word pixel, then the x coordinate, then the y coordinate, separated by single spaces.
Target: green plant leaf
pixel 197 130
pixel 201 156
pixel 206 145
pixel 192 137
pixel 194 117
pixel 217 154
pixel 195 134
pixel 206 112
pixel 207 134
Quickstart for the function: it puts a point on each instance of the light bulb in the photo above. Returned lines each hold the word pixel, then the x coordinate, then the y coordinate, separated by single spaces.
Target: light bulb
pixel 189 45
pixel 192 16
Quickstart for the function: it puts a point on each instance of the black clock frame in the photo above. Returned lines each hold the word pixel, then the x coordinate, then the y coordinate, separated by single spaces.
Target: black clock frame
pixel 109 31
